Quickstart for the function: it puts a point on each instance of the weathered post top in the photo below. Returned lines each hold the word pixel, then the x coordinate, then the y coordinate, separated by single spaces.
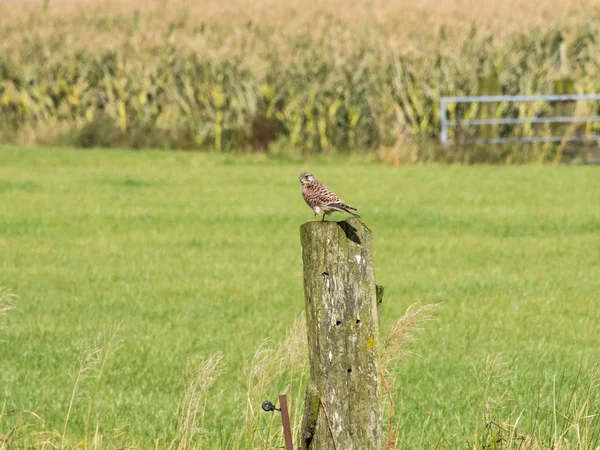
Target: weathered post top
pixel 342 401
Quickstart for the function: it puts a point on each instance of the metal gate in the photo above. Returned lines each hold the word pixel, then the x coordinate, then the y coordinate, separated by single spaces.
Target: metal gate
pixel 446 124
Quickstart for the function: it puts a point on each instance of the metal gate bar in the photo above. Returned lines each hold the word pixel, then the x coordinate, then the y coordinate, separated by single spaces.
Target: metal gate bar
pixel 446 123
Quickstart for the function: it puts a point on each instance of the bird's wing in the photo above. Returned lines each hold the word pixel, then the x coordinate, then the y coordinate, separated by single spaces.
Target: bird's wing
pixel 342 208
pixel 324 194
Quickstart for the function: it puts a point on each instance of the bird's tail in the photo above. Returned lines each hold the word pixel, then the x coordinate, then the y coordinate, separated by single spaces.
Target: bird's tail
pixel 342 207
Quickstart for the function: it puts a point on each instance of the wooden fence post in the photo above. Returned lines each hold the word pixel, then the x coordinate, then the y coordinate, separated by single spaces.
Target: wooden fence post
pixel 488 85
pixel 342 399
pixel 563 86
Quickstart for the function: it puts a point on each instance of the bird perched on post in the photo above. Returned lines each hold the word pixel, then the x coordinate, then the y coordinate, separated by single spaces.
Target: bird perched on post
pixel 320 198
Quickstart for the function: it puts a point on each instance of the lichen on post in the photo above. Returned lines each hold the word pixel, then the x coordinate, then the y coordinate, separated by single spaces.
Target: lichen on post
pixel 342 402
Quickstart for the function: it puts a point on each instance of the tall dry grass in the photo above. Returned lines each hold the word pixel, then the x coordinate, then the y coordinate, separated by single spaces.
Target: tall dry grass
pixel 6 304
pixel 201 376
pixel 281 76
pixel 498 423
pixel 401 335
pixel 26 429
pixel 570 423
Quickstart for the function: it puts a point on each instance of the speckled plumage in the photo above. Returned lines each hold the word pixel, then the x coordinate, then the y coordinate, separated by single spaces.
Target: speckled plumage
pixel 320 198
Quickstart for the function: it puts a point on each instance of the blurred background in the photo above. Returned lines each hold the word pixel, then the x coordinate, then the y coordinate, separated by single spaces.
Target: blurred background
pixel 295 77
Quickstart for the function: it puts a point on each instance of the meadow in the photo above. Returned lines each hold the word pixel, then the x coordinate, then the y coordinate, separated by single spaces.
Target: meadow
pixel 311 77
pixel 184 255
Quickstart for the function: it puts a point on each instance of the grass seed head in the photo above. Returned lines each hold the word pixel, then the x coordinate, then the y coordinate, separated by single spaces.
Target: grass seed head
pixel 405 331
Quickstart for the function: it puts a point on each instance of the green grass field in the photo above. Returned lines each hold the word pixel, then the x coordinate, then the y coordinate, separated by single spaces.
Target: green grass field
pixel 193 253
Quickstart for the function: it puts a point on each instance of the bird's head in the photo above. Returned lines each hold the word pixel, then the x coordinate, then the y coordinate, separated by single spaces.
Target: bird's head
pixel 306 177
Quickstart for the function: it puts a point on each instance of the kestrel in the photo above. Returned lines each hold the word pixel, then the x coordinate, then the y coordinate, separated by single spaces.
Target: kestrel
pixel 320 198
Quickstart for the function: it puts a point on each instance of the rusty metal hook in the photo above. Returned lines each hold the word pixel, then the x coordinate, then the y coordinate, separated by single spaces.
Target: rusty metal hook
pixel 268 406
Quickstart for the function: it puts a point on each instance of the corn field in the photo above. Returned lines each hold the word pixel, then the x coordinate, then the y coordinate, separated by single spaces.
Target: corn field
pixel 314 77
